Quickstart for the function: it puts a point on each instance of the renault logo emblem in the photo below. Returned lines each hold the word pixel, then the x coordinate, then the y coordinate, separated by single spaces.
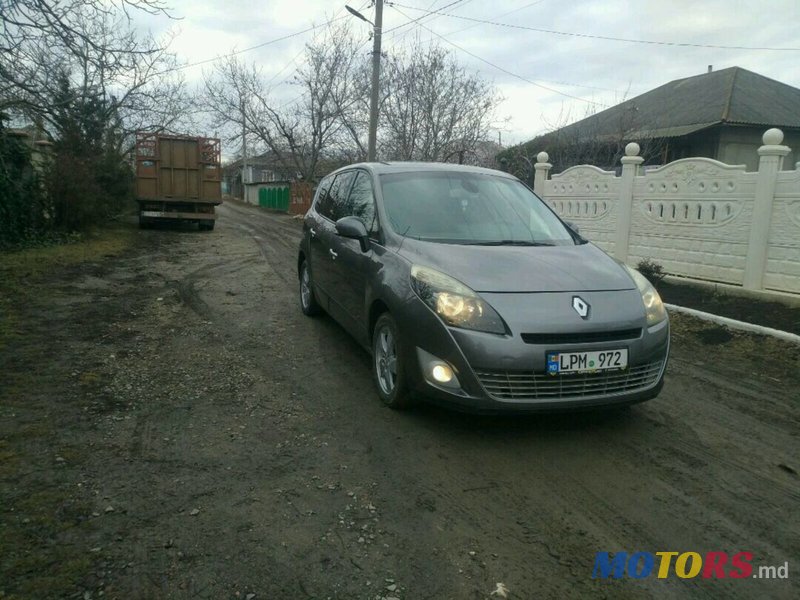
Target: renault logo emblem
pixel 581 307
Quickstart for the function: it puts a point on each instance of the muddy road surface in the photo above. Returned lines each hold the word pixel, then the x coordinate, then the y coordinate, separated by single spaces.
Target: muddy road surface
pixel 173 427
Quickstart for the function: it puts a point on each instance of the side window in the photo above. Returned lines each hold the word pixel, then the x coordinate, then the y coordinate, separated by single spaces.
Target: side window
pixel 338 194
pixel 323 203
pixel 361 202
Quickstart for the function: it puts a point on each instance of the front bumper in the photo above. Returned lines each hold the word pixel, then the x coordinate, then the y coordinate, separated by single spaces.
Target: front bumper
pixel 508 373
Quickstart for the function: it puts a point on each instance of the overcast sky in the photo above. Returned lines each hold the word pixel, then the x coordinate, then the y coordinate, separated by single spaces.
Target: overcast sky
pixel 559 68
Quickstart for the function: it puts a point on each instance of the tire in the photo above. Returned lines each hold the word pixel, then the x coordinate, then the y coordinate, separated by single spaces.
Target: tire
pixel 206 225
pixel 308 301
pixel 144 223
pixel 388 364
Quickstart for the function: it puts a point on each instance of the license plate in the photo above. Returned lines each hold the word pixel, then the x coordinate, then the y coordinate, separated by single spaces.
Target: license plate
pixel 587 362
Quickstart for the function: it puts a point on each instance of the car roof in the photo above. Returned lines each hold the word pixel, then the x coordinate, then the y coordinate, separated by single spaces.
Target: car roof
pixel 381 168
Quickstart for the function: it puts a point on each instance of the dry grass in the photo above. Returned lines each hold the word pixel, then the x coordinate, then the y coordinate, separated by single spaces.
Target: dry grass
pixel 41 516
pixel 37 262
pixel 20 269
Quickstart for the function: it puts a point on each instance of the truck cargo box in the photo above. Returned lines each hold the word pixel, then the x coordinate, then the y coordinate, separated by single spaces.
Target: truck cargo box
pixel 177 178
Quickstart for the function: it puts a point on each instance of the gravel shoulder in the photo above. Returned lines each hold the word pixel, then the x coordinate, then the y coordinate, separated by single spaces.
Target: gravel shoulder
pixel 171 426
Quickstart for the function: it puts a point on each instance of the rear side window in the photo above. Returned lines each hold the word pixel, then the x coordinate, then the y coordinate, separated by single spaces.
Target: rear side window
pixel 323 204
pixel 361 202
pixel 338 195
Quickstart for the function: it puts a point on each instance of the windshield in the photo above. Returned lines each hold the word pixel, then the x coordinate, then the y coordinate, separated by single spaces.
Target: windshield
pixel 459 207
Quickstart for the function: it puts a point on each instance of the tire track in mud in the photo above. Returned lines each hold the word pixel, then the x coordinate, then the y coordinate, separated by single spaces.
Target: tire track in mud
pixel 186 287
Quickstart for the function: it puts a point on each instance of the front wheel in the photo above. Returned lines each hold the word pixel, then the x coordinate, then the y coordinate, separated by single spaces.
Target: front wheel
pixel 388 364
pixel 308 302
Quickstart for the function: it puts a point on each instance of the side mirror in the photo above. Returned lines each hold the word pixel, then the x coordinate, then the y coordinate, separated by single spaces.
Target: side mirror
pixel 353 228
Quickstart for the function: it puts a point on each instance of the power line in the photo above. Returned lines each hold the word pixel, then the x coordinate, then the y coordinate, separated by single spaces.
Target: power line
pixel 506 71
pixel 303 94
pixel 596 37
pixel 588 87
pixel 432 14
pixel 505 14
pixel 438 12
pixel 243 50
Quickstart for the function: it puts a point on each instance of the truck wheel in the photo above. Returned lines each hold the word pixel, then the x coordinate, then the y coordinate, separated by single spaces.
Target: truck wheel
pixel 206 226
pixel 144 222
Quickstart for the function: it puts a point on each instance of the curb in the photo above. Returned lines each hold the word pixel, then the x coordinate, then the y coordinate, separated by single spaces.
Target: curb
pixel 734 324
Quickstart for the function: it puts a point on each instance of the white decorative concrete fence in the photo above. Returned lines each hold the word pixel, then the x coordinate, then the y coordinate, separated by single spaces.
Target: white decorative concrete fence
pixel 697 217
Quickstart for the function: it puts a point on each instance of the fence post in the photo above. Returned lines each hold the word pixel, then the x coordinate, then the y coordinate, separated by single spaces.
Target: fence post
pixel 542 171
pixel 770 162
pixel 630 167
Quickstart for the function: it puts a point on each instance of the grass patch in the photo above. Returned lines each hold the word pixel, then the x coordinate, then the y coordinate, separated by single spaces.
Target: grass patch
pixel 19 265
pixel 9 322
pixel 46 530
pixel 8 459
pixel 38 557
pixel 19 269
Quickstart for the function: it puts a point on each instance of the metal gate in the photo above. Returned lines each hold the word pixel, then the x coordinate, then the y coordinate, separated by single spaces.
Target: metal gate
pixel 275 198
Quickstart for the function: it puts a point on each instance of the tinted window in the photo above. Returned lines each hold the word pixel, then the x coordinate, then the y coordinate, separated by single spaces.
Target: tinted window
pixel 323 203
pixel 338 194
pixel 361 202
pixel 468 208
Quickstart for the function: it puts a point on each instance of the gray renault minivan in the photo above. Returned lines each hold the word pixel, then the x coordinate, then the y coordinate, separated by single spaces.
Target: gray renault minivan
pixel 469 290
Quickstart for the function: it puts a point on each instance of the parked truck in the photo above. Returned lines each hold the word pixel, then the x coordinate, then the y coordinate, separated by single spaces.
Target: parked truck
pixel 178 178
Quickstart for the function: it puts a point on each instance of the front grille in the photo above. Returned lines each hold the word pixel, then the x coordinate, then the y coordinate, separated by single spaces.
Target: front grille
pixel 527 385
pixel 582 337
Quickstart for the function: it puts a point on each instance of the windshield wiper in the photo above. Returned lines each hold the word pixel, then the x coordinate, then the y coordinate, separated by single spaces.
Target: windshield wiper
pixel 510 243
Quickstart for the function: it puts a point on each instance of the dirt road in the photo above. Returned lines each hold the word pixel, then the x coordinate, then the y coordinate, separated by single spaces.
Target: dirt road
pixel 173 427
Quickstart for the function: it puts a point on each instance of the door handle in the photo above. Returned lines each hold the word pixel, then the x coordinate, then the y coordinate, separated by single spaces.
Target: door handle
pixel 312 232
pixel 333 254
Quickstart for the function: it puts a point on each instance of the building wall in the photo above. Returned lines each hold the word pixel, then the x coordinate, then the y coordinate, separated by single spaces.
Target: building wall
pixel 739 146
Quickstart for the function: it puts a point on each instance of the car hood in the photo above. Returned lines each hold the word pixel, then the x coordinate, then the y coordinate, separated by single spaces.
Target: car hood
pixel 522 268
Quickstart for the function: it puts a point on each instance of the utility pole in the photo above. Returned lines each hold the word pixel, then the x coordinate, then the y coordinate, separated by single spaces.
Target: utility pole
pixel 376 73
pixel 244 154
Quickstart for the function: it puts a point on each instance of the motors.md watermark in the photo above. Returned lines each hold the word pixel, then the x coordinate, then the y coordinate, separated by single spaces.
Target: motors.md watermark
pixel 685 565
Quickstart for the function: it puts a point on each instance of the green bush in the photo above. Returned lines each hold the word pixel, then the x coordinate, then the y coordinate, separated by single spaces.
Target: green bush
pixel 653 271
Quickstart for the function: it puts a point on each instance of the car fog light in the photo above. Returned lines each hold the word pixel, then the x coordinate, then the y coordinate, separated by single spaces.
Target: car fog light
pixel 442 373
pixel 437 372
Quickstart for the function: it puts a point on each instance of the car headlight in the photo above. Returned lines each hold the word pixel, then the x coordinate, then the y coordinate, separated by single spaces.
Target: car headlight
pixel 454 302
pixel 653 305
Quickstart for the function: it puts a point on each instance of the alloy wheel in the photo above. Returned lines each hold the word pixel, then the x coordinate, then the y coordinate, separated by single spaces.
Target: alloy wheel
pixel 386 360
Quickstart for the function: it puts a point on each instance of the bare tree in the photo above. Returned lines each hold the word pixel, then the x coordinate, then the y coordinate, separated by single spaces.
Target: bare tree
pixel 322 120
pixel 597 139
pixel 433 107
pixel 91 44
pixel 79 71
